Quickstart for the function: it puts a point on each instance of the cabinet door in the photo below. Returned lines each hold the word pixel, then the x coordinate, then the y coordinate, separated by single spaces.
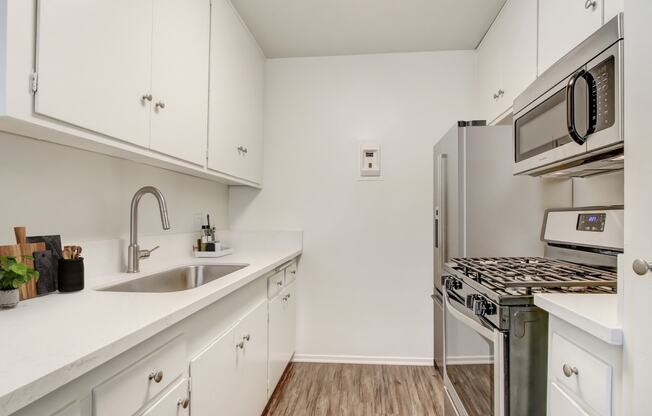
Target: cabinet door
pixel 564 24
pixel 236 97
pixel 290 323
pixel 93 60
pixel 612 8
pixel 518 37
pixel 172 403
pixel 214 378
pixel 252 362
pixel 277 329
pixel 489 63
pixel 180 48
pixel 560 404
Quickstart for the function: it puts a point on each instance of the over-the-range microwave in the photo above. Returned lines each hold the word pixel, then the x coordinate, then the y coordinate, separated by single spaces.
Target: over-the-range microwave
pixel 569 122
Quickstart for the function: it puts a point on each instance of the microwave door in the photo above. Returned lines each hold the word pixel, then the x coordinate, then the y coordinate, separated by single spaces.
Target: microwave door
pixel 541 134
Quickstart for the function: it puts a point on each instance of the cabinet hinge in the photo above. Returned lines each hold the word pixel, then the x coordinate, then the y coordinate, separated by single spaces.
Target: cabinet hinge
pixel 34 82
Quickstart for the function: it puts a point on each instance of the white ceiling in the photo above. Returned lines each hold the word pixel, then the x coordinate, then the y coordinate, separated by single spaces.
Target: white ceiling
pixel 290 28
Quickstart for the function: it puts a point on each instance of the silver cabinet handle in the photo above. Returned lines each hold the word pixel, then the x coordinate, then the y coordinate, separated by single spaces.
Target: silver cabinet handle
pixel 641 267
pixel 590 4
pixel 157 376
pixel 569 371
pixel 279 283
pixel 242 149
pixel 293 272
pixel 496 96
pixel 146 97
pixel 501 93
pixel 160 105
pixel 286 297
pixel 240 345
pixel 246 337
pixel 183 403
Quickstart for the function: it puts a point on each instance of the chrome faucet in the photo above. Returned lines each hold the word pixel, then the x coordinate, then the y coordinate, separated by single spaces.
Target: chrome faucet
pixel 134 253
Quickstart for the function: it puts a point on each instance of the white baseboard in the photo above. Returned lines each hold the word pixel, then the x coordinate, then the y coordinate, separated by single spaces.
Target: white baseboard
pixel 362 359
pixel 469 359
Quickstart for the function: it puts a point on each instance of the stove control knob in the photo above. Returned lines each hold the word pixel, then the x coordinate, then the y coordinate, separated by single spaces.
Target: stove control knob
pixel 470 300
pixel 483 308
pixel 457 284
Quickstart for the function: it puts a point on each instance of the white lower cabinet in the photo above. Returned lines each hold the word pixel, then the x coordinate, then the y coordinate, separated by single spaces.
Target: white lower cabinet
pixel 230 376
pixel 282 333
pixel 584 373
pixel 134 387
pixel 561 404
pixel 215 362
pixel 174 403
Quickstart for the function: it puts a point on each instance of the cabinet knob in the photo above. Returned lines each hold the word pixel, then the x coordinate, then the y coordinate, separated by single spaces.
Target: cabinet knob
pixel 246 337
pixel 590 4
pixel 242 149
pixel 279 283
pixel 146 97
pixel 183 403
pixel 240 345
pixel 569 370
pixel 157 376
pixel 641 267
pixel 160 105
pixel 293 272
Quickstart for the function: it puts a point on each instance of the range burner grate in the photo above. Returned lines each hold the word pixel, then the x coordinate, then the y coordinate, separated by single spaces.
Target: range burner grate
pixel 533 272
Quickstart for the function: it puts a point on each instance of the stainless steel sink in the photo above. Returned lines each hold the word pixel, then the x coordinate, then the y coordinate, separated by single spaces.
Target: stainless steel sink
pixel 175 280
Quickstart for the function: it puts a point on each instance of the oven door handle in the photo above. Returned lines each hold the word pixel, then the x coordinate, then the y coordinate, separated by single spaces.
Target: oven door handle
pixel 475 325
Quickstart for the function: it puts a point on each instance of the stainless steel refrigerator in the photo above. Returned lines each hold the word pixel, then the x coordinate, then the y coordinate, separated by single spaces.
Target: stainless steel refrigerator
pixel 482 209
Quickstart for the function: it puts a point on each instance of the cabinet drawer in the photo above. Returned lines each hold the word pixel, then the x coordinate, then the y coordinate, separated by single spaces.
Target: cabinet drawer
pixel 593 380
pixel 131 389
pixel 275 283
pixel 560 404
pixel 174 403
pixel 291 273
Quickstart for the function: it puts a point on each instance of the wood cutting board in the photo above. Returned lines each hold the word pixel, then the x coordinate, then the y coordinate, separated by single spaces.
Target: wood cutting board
pixel 28 290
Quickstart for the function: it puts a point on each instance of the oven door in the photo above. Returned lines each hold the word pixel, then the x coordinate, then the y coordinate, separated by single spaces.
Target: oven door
pixel 583 113
pixel 476 366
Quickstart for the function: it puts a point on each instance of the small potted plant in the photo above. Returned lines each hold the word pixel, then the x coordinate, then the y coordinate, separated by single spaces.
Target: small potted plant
pixel 12 276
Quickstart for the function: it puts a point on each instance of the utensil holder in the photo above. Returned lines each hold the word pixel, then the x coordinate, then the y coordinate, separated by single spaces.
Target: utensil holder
pixel 71 275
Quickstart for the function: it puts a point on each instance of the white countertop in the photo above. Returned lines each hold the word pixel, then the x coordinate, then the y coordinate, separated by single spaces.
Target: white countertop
pixel 593 313
pixel 49 341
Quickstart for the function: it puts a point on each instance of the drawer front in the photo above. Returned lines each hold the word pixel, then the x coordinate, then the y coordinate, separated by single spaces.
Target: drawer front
pixel 560 404
pixel 592 383
pixel 174 403
pixel 275 283
pixel 291 273
pixel 134 387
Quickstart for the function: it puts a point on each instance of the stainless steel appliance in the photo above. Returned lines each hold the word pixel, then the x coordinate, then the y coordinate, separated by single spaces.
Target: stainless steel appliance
pixel 493 297
pixel 482 209
pixel 569 122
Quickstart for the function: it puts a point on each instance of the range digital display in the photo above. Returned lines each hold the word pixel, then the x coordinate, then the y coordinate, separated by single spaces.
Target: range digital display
pixel 591 222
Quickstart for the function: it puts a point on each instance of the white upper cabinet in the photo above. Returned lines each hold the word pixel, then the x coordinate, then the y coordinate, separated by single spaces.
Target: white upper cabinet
pixel 612 8
pixel 180 47
pixel 507 57
pixel 237 75
pixel 94 65
pixel 564 24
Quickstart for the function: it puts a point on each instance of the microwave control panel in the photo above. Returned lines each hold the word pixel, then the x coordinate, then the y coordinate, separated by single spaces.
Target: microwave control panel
pixel 603 91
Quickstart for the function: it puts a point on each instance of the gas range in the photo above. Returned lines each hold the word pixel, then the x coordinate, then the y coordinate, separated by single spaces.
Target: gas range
pixel 488 286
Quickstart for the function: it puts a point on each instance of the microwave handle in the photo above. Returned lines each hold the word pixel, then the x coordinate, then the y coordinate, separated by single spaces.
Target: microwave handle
pixel 570 106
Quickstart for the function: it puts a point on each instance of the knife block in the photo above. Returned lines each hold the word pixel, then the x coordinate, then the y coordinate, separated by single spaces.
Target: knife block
pixel 71 275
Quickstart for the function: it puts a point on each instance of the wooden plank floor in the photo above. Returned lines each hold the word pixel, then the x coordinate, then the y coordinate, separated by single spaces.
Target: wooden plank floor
pixel 366 390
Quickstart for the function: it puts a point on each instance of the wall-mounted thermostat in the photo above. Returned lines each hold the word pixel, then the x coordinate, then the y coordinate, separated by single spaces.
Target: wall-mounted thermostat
pixel 369 160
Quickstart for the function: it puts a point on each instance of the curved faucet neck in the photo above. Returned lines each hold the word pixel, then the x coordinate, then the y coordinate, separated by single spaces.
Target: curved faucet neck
pixel 134 251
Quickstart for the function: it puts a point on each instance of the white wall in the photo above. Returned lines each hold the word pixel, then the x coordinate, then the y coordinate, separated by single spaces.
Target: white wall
pixel 53 189
pixel 600 190
pixel 367 264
